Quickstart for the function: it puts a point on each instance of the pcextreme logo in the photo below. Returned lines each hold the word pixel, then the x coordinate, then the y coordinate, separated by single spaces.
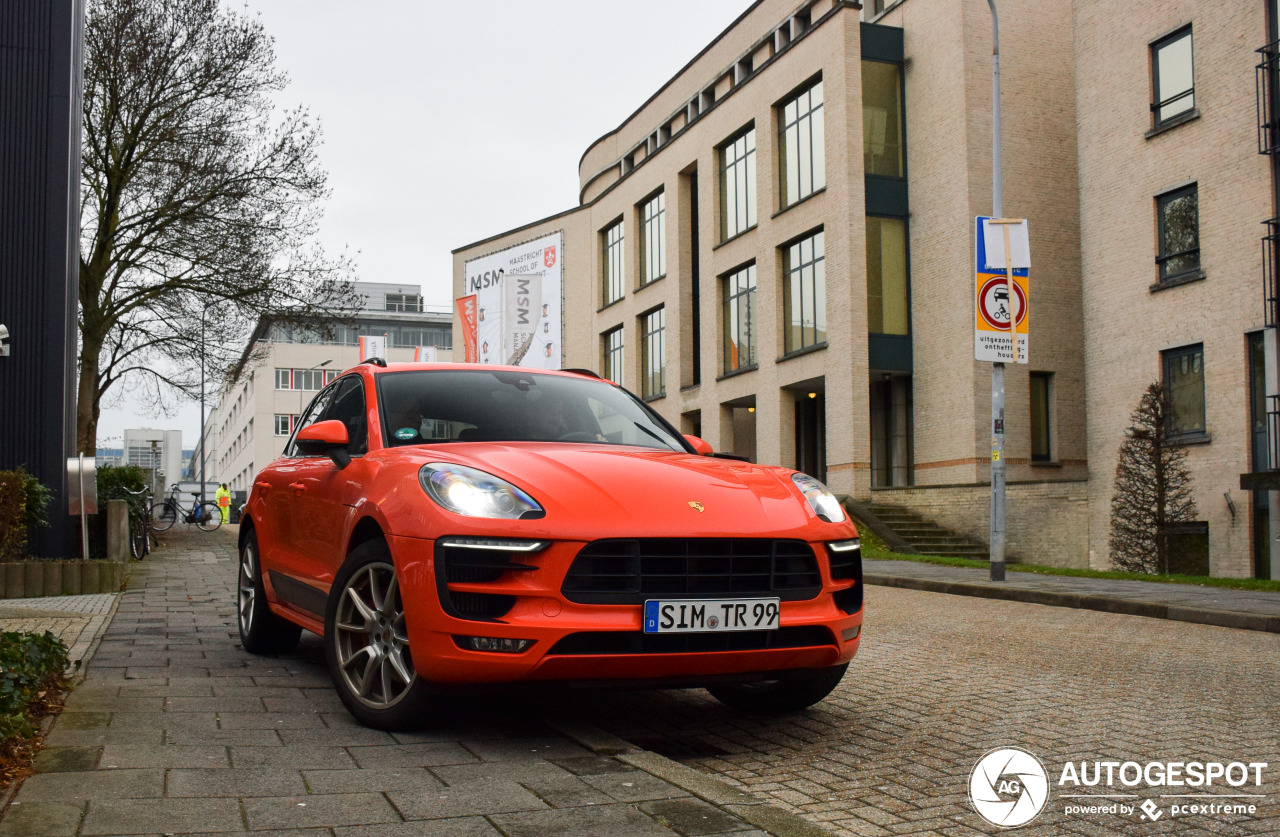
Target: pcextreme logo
pixel 1009 787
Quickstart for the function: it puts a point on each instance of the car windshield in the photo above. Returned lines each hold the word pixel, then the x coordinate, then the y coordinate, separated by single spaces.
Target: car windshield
pixel 434 406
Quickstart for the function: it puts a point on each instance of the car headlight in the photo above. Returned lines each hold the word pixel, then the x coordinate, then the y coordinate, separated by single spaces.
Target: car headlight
pixel 821 500
pixel 474 493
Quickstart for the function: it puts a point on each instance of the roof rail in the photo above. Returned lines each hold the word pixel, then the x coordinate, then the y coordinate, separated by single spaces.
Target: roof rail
pixel 586 372
pixel 376 361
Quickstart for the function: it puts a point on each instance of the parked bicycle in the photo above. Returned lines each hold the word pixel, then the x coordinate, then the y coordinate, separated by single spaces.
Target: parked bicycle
pixel 206 515
pixel 142 539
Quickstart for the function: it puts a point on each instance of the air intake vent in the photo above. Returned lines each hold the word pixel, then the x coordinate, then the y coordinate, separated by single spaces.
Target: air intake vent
pixel 635 642
pixel 631 571
pixel 477 561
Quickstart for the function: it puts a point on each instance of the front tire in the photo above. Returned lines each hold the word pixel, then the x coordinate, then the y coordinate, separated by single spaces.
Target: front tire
pixel 261 631
pixel 163 516
pixel 777 697
pixel 367 643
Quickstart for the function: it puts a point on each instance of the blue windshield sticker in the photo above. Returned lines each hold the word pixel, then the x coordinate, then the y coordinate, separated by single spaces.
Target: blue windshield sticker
pixel 406 433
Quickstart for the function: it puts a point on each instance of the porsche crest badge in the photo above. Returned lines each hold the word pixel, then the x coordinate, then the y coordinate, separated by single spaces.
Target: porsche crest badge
pixel 696 506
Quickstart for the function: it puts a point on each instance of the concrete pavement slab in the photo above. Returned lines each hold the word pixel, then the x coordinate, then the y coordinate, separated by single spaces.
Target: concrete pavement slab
pixel 164 816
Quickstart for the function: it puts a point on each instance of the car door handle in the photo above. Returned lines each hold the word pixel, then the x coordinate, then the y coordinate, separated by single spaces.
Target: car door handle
pixel 261 484
pixel 298 486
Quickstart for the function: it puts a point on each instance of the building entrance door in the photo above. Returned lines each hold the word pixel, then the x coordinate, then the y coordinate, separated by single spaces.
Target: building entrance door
pixel 890 430
pixel 811 434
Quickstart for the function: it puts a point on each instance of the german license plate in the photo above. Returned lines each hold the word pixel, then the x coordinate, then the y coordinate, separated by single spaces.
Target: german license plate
pixel 685 616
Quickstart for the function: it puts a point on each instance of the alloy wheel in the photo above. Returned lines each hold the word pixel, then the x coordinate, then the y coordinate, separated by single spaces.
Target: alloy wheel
pixel 248 588
pixel 370 638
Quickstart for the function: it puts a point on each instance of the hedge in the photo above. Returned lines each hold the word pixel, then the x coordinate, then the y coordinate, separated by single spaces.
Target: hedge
pixel 29 664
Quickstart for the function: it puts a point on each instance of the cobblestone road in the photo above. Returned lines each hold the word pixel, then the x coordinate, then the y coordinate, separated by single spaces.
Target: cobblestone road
pixel 943 679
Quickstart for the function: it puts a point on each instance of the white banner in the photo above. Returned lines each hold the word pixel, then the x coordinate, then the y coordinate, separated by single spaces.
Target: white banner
pixel 373 346
pixel 424 354
pixel 518 303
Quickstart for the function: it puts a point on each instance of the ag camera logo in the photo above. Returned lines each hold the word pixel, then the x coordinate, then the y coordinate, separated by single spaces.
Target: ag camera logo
pixel 1009 787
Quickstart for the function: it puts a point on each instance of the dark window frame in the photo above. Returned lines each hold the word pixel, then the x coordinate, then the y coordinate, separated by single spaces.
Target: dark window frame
pixel 742 302
pixel 613 262
pixel 802 120
pixel 1167 358
pixel 1047 406
pixel 653 249
pixel 613 356
pixel 652 343
pixel 741 167
pixel 792 272
pixel 1163 258
pixel 1158 104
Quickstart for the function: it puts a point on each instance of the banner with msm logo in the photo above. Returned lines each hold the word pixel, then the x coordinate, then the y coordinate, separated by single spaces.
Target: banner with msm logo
pixel 517 301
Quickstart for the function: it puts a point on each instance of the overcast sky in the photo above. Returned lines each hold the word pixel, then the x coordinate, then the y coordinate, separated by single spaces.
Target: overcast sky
pixel 447 122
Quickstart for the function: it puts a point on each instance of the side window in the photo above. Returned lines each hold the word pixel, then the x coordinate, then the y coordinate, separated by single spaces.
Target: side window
pixel 311 416
pixel 348 407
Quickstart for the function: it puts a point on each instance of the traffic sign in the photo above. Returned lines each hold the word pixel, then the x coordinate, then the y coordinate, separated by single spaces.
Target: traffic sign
pixel 1001 295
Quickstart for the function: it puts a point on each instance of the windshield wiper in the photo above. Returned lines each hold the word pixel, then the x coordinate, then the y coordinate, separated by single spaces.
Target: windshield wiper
pixel 656 436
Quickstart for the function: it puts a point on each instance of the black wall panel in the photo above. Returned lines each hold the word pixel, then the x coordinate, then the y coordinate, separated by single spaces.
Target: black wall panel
pixel 41 53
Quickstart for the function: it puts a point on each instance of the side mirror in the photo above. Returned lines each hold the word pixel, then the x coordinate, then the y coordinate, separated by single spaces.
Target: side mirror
pixel 325 437
pixel 700 446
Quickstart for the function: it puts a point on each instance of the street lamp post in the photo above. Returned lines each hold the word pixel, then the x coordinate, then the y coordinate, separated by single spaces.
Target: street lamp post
pixel 997 528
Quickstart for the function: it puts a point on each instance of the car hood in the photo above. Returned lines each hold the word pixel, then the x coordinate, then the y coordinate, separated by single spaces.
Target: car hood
pixel 594 491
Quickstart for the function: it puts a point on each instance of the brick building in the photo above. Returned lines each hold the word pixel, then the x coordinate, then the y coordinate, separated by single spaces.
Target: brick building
pixel 775 250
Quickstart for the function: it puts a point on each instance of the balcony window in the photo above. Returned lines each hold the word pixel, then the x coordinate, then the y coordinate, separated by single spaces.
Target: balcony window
pixel 740 319
pixel 803 157
pixel 805 293
pixel 1184 389
pixel 882 119
pixel 738 185
pixel 653 381
pixel 887 305
pixel 653 239
pixel 1179 221
pixel 612 345
pixel 611 239
pixel 1172 77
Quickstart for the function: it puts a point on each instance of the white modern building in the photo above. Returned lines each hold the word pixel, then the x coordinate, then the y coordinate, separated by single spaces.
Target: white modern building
pixel 156 451
pixel 283 367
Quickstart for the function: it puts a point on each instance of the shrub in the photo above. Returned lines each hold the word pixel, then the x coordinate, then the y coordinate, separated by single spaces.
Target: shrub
pixel 13 515
pixel 30 666
pixel 114 483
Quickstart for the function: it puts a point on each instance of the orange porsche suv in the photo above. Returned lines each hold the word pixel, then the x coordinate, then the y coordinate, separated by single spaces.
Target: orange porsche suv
pixel 447 525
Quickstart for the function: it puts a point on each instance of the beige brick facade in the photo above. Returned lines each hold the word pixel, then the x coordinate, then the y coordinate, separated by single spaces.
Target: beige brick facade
pixel 1076 164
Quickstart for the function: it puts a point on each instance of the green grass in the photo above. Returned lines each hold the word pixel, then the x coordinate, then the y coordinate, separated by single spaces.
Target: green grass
pixel 875 550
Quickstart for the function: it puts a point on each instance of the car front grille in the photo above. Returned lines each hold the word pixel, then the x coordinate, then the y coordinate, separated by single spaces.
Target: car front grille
pixel 635 642
pixel 630 571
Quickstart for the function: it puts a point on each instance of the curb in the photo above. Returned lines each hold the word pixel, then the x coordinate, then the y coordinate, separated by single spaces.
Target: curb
pixel 1106 604
pixel 741 804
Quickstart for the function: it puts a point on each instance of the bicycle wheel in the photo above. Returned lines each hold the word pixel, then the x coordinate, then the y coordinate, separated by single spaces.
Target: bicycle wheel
pixel 137 539
pixel 208 516
pixel 163 516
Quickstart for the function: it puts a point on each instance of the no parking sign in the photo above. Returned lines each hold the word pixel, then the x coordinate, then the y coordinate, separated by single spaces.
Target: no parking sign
pixel 1001 296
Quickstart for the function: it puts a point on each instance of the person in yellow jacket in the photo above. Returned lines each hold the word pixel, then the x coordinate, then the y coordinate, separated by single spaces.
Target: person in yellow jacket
pixel 223 496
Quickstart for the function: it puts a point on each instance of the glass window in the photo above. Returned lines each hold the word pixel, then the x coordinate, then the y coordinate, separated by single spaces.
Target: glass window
pixel 613 355
pixel 403 302
pixel 653 239
pixel 1184 389
pixel 653 381
pixel 805 297
pixel 1179 221
pixel 613 277
pixel 740 319
pixel 804 168
pixel 1040 393
pixel 882 119
pixel 520 407
pixel 348 407
pixel 738 185
pixel 284 379
pixel 888 309
pixel 285 423
pixel 1172 77
pixel 310 416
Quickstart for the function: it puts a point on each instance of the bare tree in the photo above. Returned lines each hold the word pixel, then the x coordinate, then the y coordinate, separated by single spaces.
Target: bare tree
pixel 200 200
pixel 1152 489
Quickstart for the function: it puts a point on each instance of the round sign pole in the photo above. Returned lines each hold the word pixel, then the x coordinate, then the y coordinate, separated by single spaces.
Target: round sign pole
pixel 996 533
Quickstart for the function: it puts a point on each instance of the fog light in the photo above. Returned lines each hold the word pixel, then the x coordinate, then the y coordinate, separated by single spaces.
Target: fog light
pixel 499 644
pixel 850 634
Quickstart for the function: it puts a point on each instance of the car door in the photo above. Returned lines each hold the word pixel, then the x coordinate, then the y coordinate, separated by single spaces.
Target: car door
pixel 322 490
pixel 282 525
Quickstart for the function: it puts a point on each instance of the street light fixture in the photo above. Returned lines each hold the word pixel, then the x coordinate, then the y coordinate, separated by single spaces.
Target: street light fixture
pixel 319 365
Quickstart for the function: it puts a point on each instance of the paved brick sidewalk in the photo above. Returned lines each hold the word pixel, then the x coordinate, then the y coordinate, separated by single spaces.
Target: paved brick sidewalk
pixel 76 620
pixel 177 730
pixel 1249 609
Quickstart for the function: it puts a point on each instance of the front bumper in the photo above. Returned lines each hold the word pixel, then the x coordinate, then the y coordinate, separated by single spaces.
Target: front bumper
pixel 817 632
